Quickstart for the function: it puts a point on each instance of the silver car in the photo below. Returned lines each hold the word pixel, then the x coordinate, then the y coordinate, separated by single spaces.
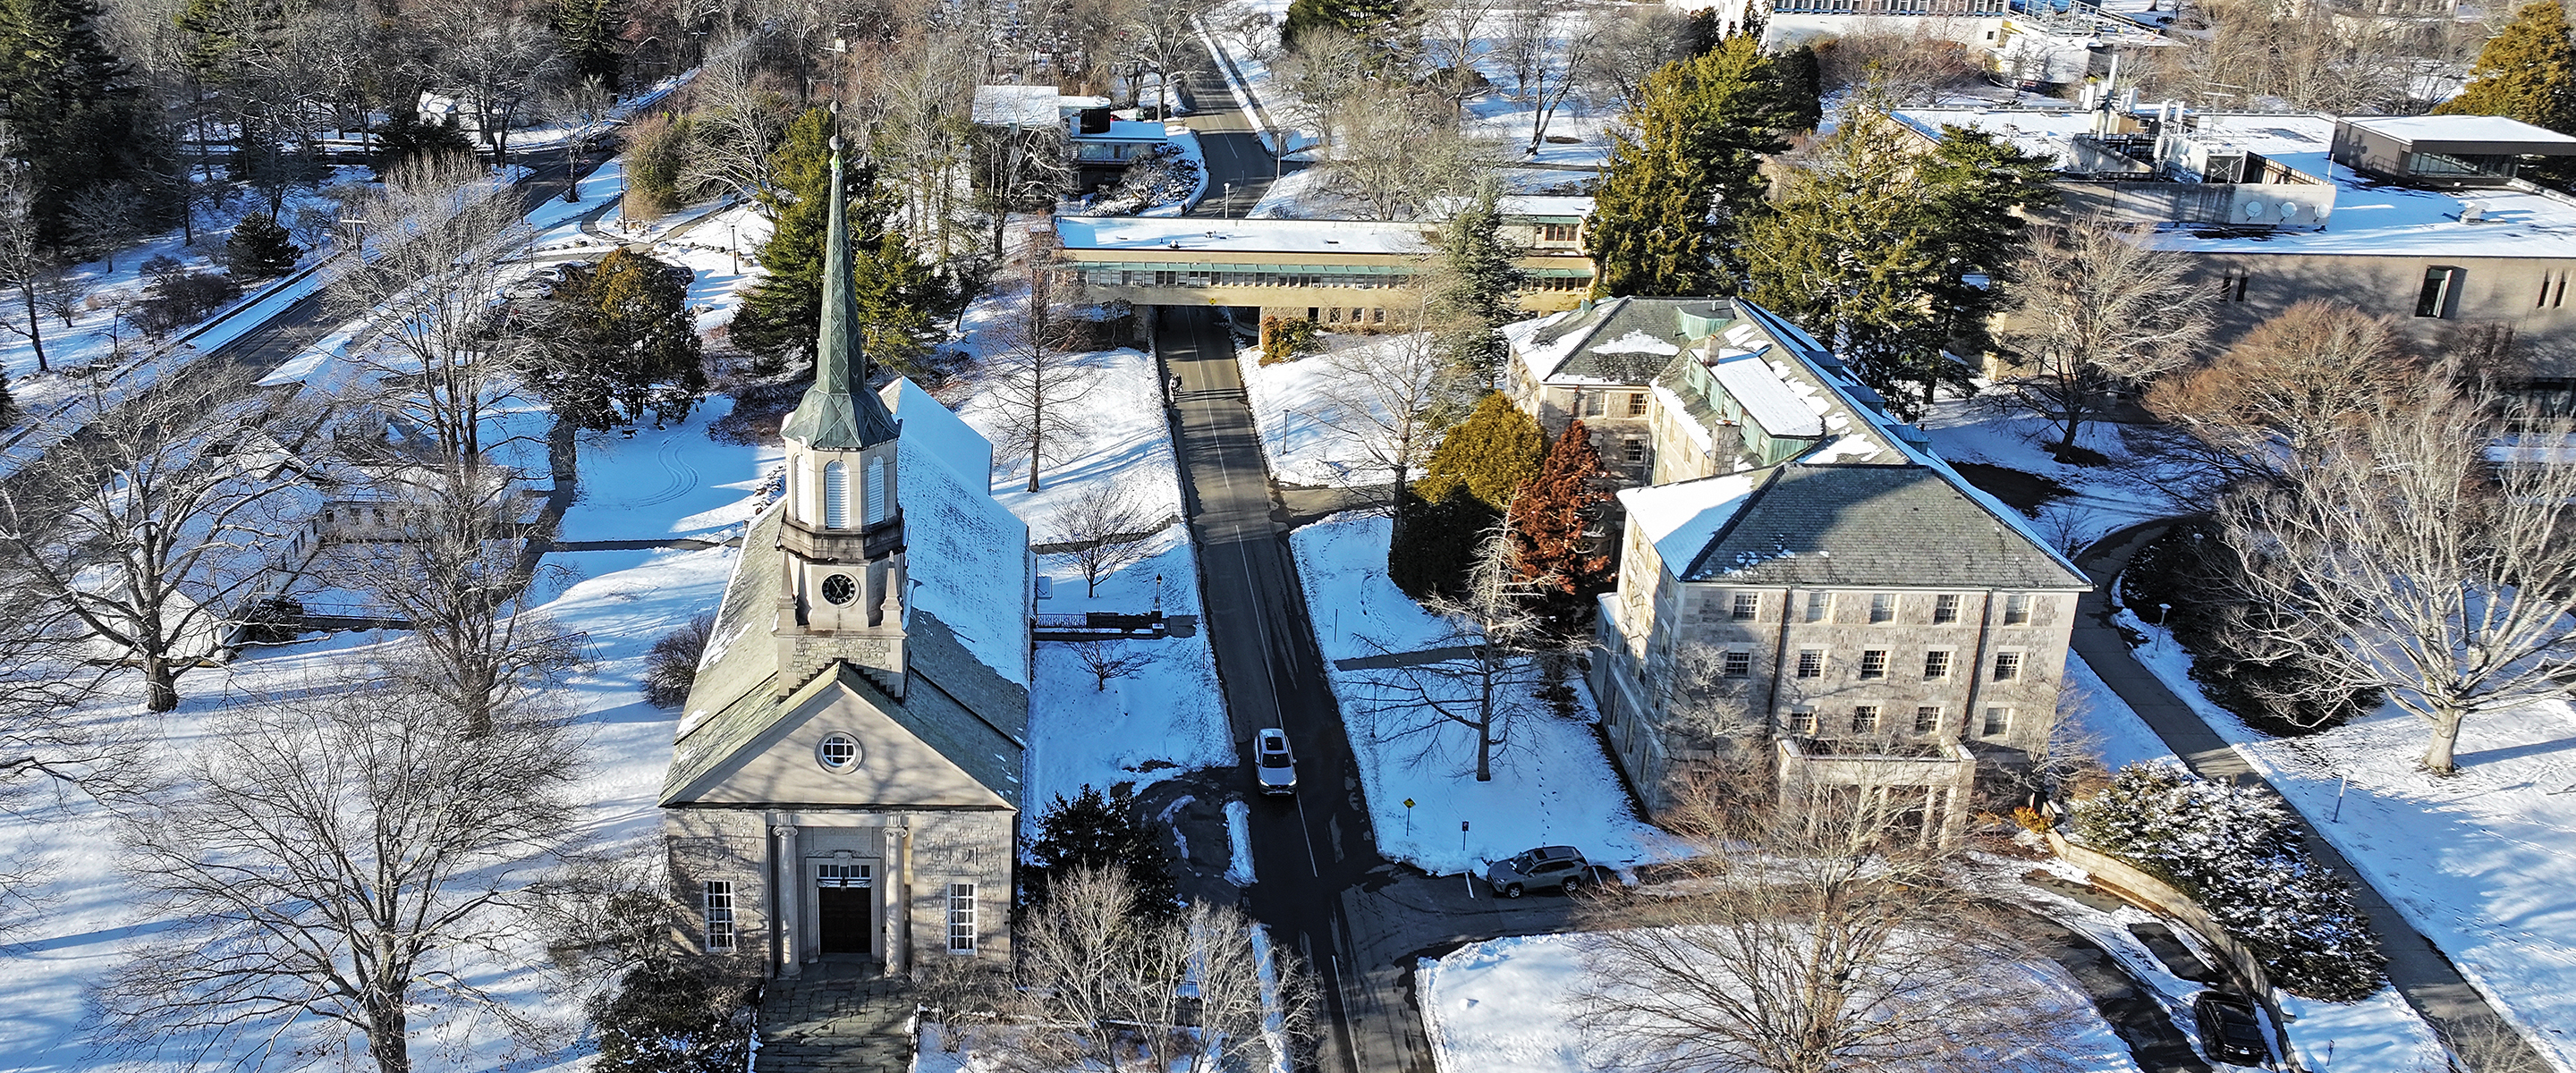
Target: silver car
pixel 1545 868
pixel 1271 762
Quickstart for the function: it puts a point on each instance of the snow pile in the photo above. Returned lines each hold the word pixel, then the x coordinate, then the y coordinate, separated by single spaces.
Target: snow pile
pixel 1238 832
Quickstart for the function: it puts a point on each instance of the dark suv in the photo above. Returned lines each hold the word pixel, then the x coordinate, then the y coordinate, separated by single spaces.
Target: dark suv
pixel 2229 1030
pixel 1544 868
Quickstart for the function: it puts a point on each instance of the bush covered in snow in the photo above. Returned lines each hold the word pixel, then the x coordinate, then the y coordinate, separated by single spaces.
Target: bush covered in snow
pixel 1162 176
pixel 2236 853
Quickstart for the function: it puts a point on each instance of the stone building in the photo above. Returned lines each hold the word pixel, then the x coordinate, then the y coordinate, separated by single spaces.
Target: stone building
pixel 1598 363
pixel 845 783
pixel 1810 591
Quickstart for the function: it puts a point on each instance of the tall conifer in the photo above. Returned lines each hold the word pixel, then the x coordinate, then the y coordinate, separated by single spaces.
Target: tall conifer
pixel 76 117
pixel 1677 198
pixel 1551 519
pixel 2527 71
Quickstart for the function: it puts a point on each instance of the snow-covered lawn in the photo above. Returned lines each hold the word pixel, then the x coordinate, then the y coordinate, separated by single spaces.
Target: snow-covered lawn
pixel 1552 782
pixel 1290 407
pixel 2101 499
pixel 1509 1004
pixel 2482 862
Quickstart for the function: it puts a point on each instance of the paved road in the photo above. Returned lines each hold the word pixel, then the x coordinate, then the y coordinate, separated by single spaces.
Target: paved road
pixel 2418 969
pixel 1239 168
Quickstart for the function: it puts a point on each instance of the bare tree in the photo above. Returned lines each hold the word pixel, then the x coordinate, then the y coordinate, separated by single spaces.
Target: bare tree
pixel 339 861
pixel 1451 31
pixel 107 217
pixel 1548 52
pixel 1914 65
pixel 1474 678
pixel 161 521
pixel 1036 380
pixel 1328 69
pixel 2290 390
pixel 2417 558
pixel 2098 313
pixel 1104 529
pixel 1634 41
pixel 1393 398
pixel 1801 941
pixel 24 261
pixel 1106 660
pixel 44 743
pixel 737 124
pixel 1397 149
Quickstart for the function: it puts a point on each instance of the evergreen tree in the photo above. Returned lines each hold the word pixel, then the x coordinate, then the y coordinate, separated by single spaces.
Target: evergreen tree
pixel 620 341
pixel 403 137
pixel 78 119
pixel 259 248
pixel 587 35
pixel 1550 524
pixel 2527 71
pixel 8 404
pixel 901 302
pixel 1479 286
pixel 1372 21
pixel 1679 197
pixel 1977 188
pixel 782 313
pixel 1465 488
pixel 1096 830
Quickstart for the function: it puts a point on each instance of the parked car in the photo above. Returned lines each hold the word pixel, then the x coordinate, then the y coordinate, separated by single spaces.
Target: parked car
pixel 1545 868
pixel 1272 763
pixel 2230 1031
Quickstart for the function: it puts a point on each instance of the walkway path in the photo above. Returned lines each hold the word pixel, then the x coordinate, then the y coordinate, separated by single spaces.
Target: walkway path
pixel 835 1023
pixel 2415 966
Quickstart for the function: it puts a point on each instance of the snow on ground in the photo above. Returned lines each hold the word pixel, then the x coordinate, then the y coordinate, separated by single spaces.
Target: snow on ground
pixel 2480 862
pixel 1290 408
pixel 669 482
pixel 1508 1004
pixel 1552 783
pixel 2103 724
pixel 2103 498
pixel 1238 834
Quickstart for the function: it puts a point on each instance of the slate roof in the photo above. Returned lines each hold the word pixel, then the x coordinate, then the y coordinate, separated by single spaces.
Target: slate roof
pixel 1601 343
pixel 839 413
pixel 1844 525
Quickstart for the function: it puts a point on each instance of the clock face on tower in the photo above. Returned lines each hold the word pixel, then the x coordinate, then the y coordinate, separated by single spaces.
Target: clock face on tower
pixel 839 589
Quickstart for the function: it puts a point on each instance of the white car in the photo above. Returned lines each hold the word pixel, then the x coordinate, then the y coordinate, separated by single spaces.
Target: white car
pixel 1272 764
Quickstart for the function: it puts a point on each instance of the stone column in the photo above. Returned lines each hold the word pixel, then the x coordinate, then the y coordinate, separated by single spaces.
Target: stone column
pixel 791 895
pixel 899 895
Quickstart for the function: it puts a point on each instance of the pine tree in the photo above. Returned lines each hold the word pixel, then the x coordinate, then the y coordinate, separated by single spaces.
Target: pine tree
pixel 2527 71
pixel 1467 485
pixel 77 115
pixel 783 312
pixel 1096 830
pixel 259 248
pixel 1978 189
pixel 1479 286
pixel 1550 523
pixel 1679 197
pixel 901 301
pixel 587 34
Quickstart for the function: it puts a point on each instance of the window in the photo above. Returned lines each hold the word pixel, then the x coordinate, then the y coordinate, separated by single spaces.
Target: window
pixel 1637 404
pixel 1748 606
pixel 1556 232
pixel 1945 609
pixel 1820 606
pixel 2007 666
pixel 2553 291
pixel 1927 718
pixel 1936 664
pixel 1873 663
pixel 1865 719
pixel 2441 285
pixel 1882 607
pixel 1738 663
pixel 2231 286
pixel 1811 663
pixel 2017 610
pixel 836 496
pixel 874 509
pixel 1634 451
pixel 961 918
pixel 1998 721
pixel 1592 405
pixel 1802 720
pixel 838 752
pixel 717 897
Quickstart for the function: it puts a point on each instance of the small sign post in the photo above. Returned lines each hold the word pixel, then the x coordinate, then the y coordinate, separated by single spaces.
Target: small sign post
pixel 1408 817
pixel 1462 836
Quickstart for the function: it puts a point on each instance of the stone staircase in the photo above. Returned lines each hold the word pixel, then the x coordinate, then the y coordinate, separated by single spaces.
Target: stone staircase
pixel 836 1019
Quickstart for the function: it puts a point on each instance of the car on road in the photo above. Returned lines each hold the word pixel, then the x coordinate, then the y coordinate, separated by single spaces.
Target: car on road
pixel 1545 868
pixel 1272 763
pixel 2230 1031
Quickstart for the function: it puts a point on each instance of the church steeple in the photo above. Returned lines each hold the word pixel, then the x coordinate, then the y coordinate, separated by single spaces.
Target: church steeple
pixel 839 413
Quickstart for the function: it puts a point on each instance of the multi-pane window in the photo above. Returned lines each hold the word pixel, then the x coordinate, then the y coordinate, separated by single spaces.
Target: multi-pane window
pixel 1633 451
pixel 1748 606
pixel 1865 719
pixel 1802 720
pixel 1557 232
pixel 1873 663
pixel 1882 607
pixel 2441 285
pixel 2007 666
pixel 1820 606
pixel 1936 663
pixel 1927 718
pixel 717 896
pixel 2017 609
pixel 1998 721
pixel 1737 663
pixel 961 918
pixel 1636 404
pixel 1811 663
pixel 1945 608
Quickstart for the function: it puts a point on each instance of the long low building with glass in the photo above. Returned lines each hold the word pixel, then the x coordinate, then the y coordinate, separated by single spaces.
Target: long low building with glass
pixel 1328 271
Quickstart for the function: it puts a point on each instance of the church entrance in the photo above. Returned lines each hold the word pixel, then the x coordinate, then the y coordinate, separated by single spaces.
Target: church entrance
pixel 844 905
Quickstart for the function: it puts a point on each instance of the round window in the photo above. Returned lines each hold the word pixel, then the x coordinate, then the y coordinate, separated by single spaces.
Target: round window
pixel 839 752
pixel 839 589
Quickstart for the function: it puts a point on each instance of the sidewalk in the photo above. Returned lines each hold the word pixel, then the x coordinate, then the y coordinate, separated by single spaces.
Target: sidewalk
pixel 2418 970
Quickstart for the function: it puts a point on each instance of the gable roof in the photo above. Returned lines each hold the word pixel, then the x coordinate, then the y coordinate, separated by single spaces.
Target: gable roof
pixel 1871 525
pixel 1614 341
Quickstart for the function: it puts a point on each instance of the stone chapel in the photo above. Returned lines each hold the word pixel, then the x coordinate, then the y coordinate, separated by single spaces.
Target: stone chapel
pixel 845 781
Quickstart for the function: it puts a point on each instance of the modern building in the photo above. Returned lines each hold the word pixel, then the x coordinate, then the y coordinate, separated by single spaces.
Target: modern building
pixel 2421 219
pixel 1334 272
pixel 845 783
pixel 1807 590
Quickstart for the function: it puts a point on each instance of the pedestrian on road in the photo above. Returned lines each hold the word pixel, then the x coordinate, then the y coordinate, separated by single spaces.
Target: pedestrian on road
pixel 1176 383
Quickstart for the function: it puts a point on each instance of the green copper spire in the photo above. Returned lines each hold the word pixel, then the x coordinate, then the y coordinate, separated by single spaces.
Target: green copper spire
pixel 839 413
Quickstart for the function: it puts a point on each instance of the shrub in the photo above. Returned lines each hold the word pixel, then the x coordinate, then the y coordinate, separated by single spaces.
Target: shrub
pixel 2193 575
pixel 1096 830
pixel 1287 339
pixel 259 248
pixel 676 1015
pixel 672 666
pixel 2237 853
pixel 657 158
pixel 179 299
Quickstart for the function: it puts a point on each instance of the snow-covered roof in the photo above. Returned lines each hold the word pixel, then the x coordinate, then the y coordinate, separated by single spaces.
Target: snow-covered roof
pixel 1023 106
pixel 1554 206
pixel 1126 130
pixel 2462 128
pixel 1241 236
pixel 1681 518
pixel 1764 397
pixel 967 553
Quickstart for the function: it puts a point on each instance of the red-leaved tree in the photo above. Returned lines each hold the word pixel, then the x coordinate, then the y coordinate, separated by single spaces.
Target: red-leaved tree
pixel 1551 520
